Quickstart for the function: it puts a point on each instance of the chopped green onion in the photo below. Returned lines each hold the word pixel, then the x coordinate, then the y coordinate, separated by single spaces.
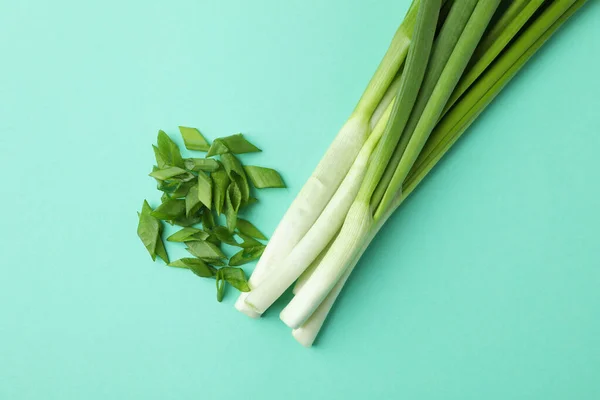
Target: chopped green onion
pixel 185 234
pixel 201 164
pixel 236 144
pixel 205 250
pixel 262 177
pixel 193 139
pixel 247 228
pixel 169 172
pixel 205 189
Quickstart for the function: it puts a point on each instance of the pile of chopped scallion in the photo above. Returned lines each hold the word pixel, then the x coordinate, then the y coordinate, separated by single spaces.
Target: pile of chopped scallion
pixel 196 193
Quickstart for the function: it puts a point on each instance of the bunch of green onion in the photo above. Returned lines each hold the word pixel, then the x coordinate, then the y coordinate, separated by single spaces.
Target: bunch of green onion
pixel 446 63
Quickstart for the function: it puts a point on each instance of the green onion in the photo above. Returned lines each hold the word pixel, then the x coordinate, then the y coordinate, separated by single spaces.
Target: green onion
pixel 201 164
pixel 170 172
pixel 193 139
pixel 236 144
pixel 446 134
pixel 188 234
pixel 264 177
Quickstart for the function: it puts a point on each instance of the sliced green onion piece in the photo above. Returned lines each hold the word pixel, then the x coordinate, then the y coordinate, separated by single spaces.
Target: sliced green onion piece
pixel 193 139
pixel 236 144
pixel 201 164
pixel 205 189
pixel 247 228
pixel 262 177
pixel 170 210
pixel 245 256
pixel 205 250
pixel 220 184
pixel 169 172
pixel 195 265
pixel 184 234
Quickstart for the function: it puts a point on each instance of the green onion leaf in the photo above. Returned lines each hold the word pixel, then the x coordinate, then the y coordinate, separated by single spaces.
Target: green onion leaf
pixel 160 161
pixel 186 221
pixel 201 164
pixel 205 189
pixel 187 234
pixel 214 261
pixel 236 144
pixel 166 173
pixel 236 278
pixel 192 202
pixel 164 197
pixel 171 209
pixel 195 265
pixel 200 236
pixel 224 235
pixel 148 229
pixel 220 183
pixel 247 228
pixel 169 151
pixel 193 139
pixel 208 220
pixel 212 238
pixel 264 177
pixel 236 173
pixel 161 251
pixel 169 186
pixel 205 250
pixel 182 190
pixel 233 199
pixel 245 256
pixel 248 241
pixel 220 286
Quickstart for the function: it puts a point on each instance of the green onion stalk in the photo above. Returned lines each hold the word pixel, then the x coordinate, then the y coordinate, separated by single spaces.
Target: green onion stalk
pixel 459 57
pixel 450 129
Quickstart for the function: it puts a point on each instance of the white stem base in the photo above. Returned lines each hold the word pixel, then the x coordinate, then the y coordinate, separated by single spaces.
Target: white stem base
pixel 244 308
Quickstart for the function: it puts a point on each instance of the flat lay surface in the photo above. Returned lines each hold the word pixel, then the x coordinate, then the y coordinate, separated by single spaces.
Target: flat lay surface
pixel 484 285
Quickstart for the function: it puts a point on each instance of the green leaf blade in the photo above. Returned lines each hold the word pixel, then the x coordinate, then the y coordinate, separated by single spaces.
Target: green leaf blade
pixel 148 229
pixel 160 161
pixel 170 210
pixel 262 177
pixel 201 164
pixel 193 139
pixel 220 183
pixel 205 250
pixel 161 251
pixel 247 228
pixel 236 278
pixel 245 256
pixel 183 234
pixel 169 151
pixel 236 144
pixel 236 173
pixel 195 265
pixel 166 173
pixel 248 241
pixel 233 200
pixel 205 190
pixel 225 235
pixel 192 202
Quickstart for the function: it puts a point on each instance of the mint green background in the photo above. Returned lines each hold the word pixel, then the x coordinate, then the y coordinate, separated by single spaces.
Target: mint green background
pixel 486 285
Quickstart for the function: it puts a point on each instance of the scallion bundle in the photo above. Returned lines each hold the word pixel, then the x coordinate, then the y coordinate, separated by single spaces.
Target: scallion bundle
pixel 446 63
